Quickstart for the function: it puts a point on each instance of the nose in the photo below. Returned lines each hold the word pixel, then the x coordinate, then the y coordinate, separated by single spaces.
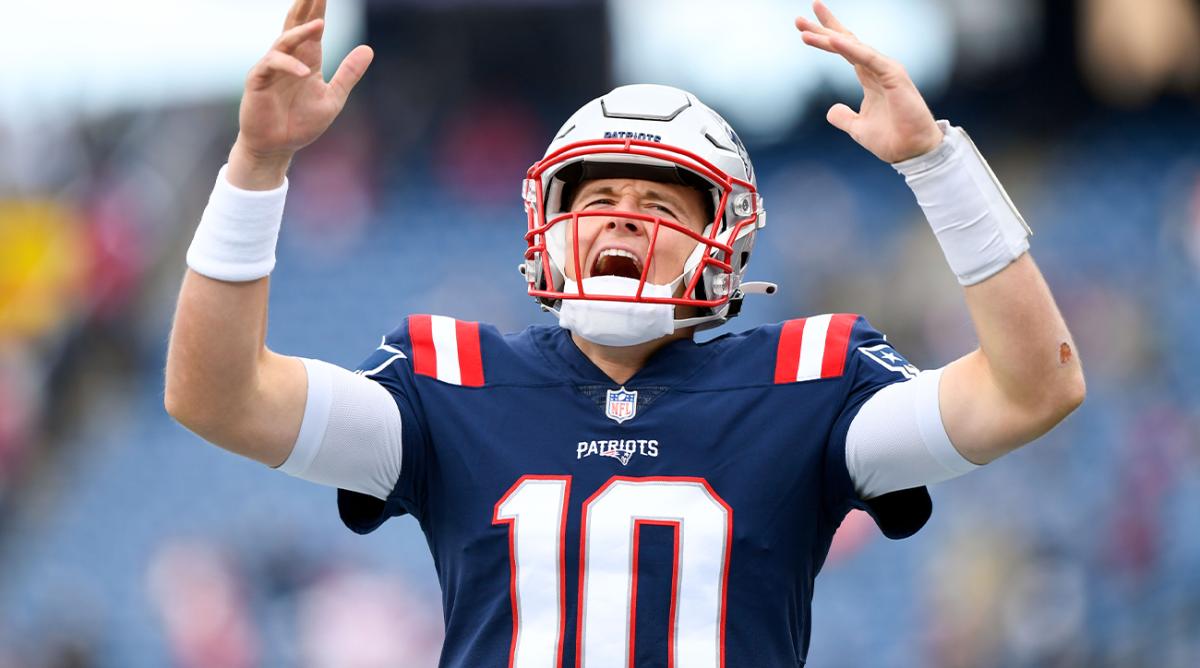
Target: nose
pixel 630 226
pixel 628 203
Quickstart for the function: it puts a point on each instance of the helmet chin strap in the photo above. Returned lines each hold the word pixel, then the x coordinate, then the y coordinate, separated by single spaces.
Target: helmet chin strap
pixel 680 323
pixel 749 287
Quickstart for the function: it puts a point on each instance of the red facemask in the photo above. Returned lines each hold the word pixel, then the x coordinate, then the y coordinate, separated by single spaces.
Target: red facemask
pixel 712 259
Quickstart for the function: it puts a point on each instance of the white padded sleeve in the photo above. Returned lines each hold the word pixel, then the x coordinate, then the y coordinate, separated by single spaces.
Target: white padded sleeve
pixel 350 435
pixel 897 440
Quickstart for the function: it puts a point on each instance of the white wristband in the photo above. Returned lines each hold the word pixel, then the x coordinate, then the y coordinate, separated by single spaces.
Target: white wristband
pixel 236 237
pixel 979 229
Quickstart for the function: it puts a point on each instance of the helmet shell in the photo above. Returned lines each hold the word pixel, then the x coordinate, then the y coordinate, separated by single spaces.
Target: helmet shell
pixel 658 133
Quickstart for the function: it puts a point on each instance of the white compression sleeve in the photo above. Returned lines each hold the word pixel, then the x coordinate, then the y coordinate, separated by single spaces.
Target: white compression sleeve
pixel 350 435
pixel 897 440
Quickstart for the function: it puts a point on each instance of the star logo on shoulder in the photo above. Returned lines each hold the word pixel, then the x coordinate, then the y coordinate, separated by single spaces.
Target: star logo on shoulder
pixel 885 356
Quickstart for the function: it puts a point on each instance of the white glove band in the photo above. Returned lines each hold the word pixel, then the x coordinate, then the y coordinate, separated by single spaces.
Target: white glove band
pixel 236 237
pixel 979 229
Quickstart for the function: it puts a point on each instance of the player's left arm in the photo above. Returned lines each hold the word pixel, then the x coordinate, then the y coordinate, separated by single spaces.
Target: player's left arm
pixel 1025 377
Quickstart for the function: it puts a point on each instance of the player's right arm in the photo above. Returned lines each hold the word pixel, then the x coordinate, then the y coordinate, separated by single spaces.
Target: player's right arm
pixel 221 380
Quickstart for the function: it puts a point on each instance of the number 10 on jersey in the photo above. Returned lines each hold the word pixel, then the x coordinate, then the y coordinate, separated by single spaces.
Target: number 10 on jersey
pixel 535 510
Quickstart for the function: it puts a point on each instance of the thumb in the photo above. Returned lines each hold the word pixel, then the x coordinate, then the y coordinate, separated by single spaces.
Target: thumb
pixel 843 118
pixel 351 71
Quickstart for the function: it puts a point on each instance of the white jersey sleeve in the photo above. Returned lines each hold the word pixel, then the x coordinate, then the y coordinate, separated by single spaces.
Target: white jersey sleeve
pixel 350 435
pixel 897 439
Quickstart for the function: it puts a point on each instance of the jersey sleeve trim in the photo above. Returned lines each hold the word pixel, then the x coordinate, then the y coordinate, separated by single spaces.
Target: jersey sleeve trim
pixel 446 349
pixel 813 347
pixel 316 418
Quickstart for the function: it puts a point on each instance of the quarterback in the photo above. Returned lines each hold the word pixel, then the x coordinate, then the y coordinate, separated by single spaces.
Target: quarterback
pixel 605 491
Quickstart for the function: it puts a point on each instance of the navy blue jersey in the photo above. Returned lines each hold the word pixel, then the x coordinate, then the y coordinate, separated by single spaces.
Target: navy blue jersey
pixel 679 519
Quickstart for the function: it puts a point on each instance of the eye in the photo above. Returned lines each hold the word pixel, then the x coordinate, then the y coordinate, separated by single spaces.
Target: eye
pixel 662 207
pixel 598 201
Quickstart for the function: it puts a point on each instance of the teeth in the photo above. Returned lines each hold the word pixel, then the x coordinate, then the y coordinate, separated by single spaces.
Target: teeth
pixel 617 252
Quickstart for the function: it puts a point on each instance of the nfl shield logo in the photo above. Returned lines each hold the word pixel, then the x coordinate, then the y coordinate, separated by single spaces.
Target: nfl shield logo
pixel 621 405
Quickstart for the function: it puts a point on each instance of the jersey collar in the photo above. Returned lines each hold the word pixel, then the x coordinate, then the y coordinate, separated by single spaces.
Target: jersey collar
pixel 667 367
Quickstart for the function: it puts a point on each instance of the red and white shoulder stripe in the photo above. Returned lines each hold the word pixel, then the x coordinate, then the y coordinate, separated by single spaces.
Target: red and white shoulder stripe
pixel 814 347
pixel 446 349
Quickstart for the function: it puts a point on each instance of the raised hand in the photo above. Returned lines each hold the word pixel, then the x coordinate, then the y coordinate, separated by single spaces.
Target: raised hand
pixel 287 104
pixel 893 122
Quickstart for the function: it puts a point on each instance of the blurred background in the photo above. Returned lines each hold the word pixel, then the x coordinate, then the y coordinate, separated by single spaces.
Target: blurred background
pixel 126 541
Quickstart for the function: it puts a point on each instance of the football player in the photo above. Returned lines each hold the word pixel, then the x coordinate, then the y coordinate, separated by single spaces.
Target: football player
pixel 605 491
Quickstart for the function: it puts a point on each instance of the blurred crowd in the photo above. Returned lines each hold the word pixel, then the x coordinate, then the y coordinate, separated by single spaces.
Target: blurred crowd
pixel 126 541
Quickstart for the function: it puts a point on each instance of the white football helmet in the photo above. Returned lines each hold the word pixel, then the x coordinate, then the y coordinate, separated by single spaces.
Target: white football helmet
pixel 656 133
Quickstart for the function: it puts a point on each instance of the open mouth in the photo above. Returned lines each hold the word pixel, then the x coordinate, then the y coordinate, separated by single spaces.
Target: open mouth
pixel 617 262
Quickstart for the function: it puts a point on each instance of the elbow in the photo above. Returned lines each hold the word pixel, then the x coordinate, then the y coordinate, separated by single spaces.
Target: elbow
pixel 177 406
pixel 195 402
pixel 174 401
pixel 1024 415
pixel 1075 393
pixel 1060 399
pixel 209 421
pixel 184 406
